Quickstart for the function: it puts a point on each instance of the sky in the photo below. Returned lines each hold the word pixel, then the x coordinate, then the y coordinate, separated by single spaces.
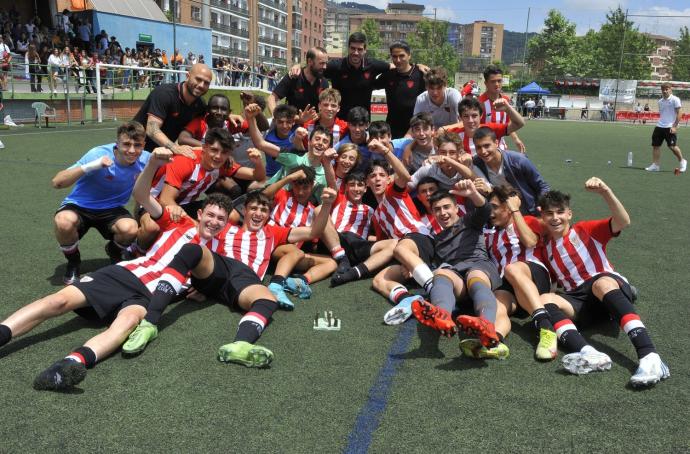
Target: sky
pixel 587 14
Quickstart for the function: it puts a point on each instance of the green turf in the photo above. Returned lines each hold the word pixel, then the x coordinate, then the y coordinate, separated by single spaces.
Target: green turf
pixel 176 397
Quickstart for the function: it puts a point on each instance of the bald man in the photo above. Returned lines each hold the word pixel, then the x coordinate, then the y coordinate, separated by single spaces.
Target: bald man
pixel 169 107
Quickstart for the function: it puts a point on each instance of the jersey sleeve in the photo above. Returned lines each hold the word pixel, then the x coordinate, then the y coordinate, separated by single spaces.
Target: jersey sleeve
pixel 160 104
pixel 165 222
pixel 283 87
pixel 230 171
pixel 279 233
pixel 599 229
pixel 178 171
pixel 534 224
pixel 287 159
pixel 195 128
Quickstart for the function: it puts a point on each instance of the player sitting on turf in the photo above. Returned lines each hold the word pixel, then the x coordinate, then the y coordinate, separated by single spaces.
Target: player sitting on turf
pixel 508 167
pixel 471 114
pixel 448 165
pixel 104 179
pixel 464 270
pixel 352 218
pixel 225 278
pixel 293 208
pixel 513 246
pixel 179 184
pixel 577 258
pixel 117 294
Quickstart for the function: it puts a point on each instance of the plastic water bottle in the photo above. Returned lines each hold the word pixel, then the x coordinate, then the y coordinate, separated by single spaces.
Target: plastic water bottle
pixel 630 158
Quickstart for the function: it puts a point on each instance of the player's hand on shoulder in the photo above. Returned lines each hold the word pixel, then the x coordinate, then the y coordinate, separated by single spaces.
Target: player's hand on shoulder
pixel 328 196
pixel 596 185
pixel 184 150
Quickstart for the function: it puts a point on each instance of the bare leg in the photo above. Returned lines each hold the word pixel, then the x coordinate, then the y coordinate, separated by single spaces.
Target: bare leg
pixel 125 231
pixel 316 267
pixel 105 343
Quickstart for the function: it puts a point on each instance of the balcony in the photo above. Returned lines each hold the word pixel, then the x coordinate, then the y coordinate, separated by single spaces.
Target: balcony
pixel 273 60
pixel 229 7
pixel 243 32
pixel 296 9
pixel 274 42
pixel 274 23
pixel 230 52
pixel 275 4
pixel 296 23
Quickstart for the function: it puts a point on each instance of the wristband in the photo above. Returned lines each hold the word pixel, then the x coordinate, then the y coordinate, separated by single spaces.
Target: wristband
pixel 94 165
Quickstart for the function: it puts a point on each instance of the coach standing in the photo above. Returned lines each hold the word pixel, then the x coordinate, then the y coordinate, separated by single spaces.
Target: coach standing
pixel 666 128
pixel 304 90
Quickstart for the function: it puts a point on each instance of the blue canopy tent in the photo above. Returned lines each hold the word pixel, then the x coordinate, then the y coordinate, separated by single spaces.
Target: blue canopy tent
pixel 533 88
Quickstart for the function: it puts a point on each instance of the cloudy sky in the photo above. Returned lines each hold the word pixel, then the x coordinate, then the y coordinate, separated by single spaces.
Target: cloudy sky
pixel 585 13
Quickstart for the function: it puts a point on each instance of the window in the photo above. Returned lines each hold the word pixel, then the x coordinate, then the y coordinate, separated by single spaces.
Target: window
pixel 196 13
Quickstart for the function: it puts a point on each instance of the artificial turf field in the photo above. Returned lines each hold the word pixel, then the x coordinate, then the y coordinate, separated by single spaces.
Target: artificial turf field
pixel 369 387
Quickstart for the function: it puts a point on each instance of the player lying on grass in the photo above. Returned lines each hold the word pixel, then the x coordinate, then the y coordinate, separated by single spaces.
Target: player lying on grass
pixel 513 244
pixel 576 256
pixel 117 294
pixel 465 271
pixel 180 183
pixel 103 179
pixel 222 276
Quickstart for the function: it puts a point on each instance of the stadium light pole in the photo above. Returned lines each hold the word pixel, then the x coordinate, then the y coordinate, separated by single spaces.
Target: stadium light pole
pixel 174 12
pixel 620 66
pixel 524 51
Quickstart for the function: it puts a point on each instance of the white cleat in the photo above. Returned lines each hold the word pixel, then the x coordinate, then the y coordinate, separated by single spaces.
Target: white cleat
pixel 650 371
pixel 581 363
pixel 653 168
pixel 683 165
pixel 398 315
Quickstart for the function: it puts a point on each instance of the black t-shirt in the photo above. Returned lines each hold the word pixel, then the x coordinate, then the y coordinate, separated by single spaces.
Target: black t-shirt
pixel 402 90
pixel 354 84
pixel 299 92
pixel 165 102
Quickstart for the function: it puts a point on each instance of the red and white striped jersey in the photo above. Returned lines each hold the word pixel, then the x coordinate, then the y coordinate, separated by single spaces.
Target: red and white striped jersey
pixel 505 248
pixel 173 236
pixel 189 177
pixel 252 248
pixel 581 254
pixel 396 215
pixel 339 130
pixel 349 217
pixel 489 115
pixel 468 144
pixel 288 212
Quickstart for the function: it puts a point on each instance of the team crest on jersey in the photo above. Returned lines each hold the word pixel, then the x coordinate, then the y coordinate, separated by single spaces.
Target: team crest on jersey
pixel 410 83
pixel 189 236
pixel 575 241
pixel 366 74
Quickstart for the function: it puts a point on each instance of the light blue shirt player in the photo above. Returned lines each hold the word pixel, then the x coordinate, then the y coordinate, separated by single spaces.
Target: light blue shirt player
pixel 105 187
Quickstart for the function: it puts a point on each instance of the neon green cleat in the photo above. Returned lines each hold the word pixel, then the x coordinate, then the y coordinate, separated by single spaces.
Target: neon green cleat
pixel 547 349
pixel 137 341
pixel 473 348
pixel 244 353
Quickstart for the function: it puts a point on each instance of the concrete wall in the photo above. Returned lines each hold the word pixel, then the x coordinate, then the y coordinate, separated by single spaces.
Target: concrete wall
pixel 127 30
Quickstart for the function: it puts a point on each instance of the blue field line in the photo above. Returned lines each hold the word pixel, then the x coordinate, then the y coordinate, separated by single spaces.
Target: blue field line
pixel 369 416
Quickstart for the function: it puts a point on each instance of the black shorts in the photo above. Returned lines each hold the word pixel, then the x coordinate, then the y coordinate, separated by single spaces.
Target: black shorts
pixel 357 248
pixel 227 281
pixel 540 277
pixel 488 267
pixel 661 134
pixel 586 306
pixel 101 220
pixel 109 290
pixel 425 245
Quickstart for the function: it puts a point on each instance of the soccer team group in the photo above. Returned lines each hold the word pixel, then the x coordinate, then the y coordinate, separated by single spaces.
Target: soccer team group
pixel 455 229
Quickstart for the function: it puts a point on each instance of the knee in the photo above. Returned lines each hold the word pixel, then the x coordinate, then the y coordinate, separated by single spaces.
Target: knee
pixel 192 253
pixel 57 304
pixel 604 285
pixel 127 229
pixel 379 282
pixel 65 222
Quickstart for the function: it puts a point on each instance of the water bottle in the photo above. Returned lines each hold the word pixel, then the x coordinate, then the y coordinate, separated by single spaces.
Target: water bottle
pixel 630 159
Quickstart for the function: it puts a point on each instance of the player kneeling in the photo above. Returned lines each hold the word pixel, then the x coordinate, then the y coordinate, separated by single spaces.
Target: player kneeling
pixel 577 258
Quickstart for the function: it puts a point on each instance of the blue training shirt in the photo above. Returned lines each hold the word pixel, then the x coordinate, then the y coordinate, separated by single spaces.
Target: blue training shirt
pixel 272 166
pixel 108 187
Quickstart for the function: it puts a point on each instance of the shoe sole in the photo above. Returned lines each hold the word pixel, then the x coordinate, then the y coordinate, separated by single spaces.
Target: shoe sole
pixel 71 375
pixel 478 351
pixel 652 381
pixel 473 326
pixel 258 358
pixel 425 315
pixel 397 316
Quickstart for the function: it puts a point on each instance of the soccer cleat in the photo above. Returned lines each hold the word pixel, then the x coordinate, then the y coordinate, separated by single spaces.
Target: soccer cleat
pixel 547 348
pixel 434 317
pixel 244 353
pixel 62 375
pixel 473 348
pixel 683 165
pixel 650 371
pixel 138 339
pixel 282 298
pixel 298 287
pixel 479 327
pixel 653 168
pixel 71 273
pixel 114 252
pixel 581 363
pixel 343 265
pixel 401 312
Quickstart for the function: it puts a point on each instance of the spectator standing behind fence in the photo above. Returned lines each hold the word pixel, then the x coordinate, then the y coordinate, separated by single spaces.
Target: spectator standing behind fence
pixel 35 70
pixel 5 61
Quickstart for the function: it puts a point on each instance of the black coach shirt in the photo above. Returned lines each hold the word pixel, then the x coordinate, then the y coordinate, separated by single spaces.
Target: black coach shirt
pixel 299 92
pixel 402 90
pixel 166 102
pixel 354 84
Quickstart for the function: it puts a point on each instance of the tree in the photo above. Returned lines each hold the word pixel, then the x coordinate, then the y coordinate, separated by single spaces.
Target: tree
pixel 370 28
pixel 552 53
pixel 619 32
pixel 429 44
pixel 679 64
